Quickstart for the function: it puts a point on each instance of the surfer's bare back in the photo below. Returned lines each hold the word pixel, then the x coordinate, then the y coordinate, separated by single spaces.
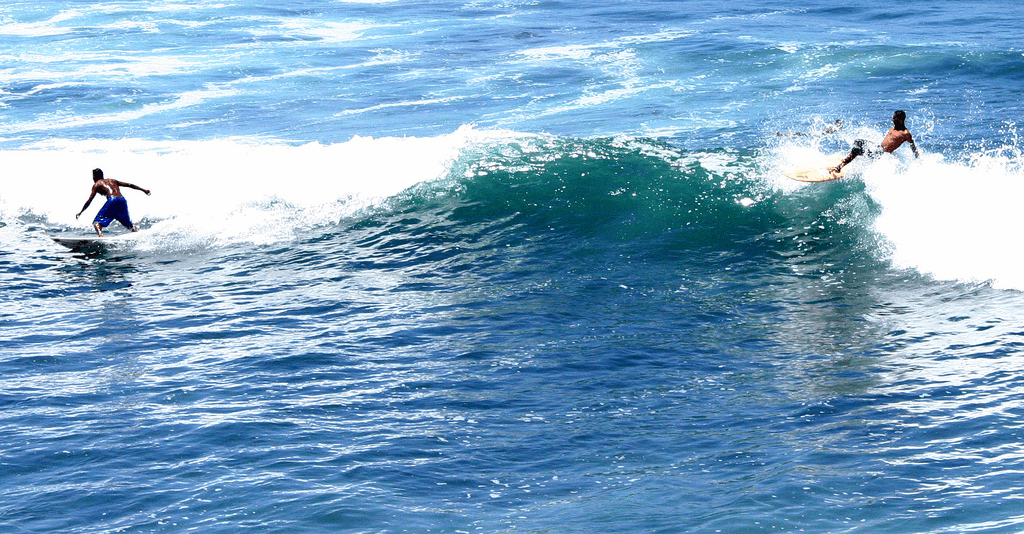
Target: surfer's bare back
pixel 116 206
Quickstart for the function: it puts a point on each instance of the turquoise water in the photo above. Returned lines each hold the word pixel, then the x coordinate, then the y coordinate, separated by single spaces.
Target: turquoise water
pixel 511 267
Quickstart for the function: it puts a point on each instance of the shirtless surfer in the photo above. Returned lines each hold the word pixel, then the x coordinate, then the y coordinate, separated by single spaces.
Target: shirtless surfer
pixel 116 206
pixel 894 138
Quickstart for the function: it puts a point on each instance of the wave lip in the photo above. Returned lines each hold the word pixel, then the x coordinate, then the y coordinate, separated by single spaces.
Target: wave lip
pixel 950 220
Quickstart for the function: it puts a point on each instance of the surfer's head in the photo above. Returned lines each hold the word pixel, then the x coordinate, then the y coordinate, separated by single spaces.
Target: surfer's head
pixel 898 119
pixel 97 175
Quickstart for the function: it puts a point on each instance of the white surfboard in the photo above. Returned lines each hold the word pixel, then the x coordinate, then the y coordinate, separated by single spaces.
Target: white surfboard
pixel 94 243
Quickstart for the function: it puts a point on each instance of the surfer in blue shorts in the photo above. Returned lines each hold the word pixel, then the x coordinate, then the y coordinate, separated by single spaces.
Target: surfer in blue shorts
pixel 116 207
pixel 893 139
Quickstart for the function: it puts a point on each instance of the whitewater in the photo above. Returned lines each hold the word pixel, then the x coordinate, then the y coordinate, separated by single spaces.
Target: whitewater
pixel 511 267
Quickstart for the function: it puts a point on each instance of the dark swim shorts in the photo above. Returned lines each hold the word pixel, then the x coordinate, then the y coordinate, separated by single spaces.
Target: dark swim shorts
pixel 861 148
pixel 115 208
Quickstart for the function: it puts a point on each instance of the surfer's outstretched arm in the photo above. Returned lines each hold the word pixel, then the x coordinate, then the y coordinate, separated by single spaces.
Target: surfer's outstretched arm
pixel 87 202
pixel 133 186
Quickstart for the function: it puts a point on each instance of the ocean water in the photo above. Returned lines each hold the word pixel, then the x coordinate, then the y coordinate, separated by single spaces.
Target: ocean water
pixel 511 266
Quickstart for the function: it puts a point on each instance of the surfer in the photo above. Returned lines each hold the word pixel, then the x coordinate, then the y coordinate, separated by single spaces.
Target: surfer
pixel 894 138
pixel 116 206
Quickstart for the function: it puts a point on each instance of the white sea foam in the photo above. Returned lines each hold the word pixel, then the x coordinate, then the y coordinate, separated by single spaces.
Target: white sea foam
pixel 184 100
pixel 232 190
pixel 953 220
pixel 332 32
pixel 47 28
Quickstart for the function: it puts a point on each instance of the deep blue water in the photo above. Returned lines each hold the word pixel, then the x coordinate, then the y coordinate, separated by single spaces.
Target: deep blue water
pixel 511 267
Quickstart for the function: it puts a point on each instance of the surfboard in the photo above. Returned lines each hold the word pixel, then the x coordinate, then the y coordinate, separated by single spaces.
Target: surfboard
pixel 93 244
pixel 818 172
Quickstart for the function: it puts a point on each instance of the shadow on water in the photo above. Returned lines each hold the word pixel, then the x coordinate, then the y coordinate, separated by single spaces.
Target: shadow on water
pixel 101 270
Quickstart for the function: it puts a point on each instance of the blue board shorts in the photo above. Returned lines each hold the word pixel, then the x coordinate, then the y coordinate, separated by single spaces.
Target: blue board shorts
pixel 115 208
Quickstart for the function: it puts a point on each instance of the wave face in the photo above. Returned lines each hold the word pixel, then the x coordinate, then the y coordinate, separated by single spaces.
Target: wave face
pixel 942 218
pixel 613 195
